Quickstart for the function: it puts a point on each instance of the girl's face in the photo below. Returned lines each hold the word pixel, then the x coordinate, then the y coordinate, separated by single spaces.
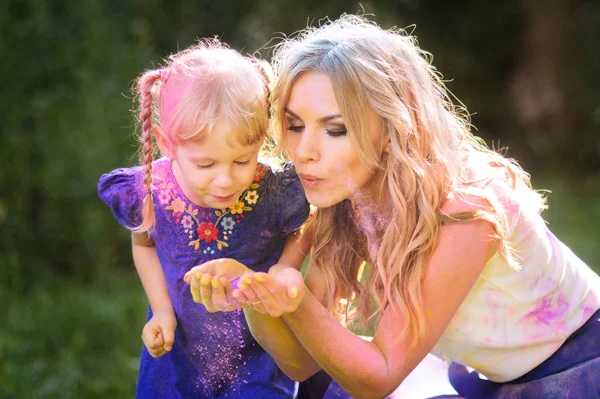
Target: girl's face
pixel 214 170
pixel 328 164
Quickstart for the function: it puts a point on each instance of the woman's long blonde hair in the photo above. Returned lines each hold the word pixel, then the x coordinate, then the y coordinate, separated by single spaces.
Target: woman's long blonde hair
pixel 430 141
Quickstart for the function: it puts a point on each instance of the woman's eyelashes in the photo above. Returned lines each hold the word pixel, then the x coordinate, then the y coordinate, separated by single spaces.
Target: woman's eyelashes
pixel 293 128
pixel 336 132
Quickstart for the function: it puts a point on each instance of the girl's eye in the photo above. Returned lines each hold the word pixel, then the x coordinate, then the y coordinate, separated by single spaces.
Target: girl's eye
pixel 199 166
pixel 337 133
pixel 295 128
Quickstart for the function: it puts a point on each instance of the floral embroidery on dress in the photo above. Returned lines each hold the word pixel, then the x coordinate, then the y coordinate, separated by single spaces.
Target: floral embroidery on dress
pixel 197 224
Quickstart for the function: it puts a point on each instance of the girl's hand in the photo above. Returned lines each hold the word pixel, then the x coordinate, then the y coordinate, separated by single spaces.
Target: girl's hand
pixel 158 334
pixel 210 284
pixel 279 292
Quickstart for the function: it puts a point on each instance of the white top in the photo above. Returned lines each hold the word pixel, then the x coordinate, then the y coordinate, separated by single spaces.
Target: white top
pixel 512 321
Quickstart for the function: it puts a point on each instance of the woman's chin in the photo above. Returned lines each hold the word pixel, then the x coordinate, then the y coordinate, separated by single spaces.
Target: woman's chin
pixel 322 200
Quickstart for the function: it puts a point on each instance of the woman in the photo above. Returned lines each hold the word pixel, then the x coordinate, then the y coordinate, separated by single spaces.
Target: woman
pixel 463 264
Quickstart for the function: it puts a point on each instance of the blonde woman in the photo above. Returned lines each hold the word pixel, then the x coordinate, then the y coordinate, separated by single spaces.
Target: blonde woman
pixel 462 263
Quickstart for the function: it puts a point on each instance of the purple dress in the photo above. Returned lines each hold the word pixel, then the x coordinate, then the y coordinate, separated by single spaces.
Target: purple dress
pixel 214 354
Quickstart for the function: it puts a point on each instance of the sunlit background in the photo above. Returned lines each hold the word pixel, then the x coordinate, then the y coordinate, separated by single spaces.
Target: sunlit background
pixel 73 308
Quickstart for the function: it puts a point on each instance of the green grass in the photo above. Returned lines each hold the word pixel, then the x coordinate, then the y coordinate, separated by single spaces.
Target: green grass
pixel 64 340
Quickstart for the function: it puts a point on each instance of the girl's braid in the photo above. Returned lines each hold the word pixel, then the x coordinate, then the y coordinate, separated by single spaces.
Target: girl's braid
pixel 145 87
pixel 265 71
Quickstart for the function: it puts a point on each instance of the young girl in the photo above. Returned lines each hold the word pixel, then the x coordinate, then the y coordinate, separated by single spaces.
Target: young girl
pixel 462 263
pixel 207 198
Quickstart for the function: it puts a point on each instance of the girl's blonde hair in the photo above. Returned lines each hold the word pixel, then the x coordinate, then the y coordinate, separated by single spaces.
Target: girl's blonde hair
pixel 209 83
pixel 386 72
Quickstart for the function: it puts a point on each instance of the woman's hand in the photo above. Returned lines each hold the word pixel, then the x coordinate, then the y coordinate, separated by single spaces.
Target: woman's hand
pixel 210 284
pixel 278 292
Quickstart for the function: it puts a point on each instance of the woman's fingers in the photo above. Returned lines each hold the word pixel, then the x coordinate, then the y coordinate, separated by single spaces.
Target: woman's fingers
pixel 243 287
pixel 266 290
pixel 282 294
pixel 293 281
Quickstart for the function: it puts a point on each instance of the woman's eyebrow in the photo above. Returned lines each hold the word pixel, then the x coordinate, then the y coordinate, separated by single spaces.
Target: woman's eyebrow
pixel 324 119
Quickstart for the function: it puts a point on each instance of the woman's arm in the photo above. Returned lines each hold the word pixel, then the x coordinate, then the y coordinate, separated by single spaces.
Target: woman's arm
pixel 375 369
pixel 273 333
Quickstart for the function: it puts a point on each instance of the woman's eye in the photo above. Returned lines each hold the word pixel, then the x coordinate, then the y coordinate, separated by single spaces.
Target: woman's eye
pixel 242 162
pixel 295 128
pixel 337 133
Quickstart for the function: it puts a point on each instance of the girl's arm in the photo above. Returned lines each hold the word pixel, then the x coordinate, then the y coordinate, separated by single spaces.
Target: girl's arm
pixel 150 272
pixel 375 369
pixel 159 332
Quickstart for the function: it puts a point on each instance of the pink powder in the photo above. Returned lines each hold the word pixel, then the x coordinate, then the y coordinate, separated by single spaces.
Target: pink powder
pixel 549 312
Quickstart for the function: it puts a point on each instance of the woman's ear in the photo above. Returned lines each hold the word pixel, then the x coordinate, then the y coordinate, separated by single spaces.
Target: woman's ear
pixel 164 142
pixel 388 145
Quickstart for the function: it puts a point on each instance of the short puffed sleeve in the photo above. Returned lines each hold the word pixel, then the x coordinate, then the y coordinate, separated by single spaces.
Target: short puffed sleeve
pixel 123 191
pixel 289 199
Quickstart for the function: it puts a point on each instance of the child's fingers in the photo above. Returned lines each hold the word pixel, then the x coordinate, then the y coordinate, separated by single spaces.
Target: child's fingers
pixel 168 335
pixel 219 297
pixel 206 267
pixel 153 342
pixel 151 337
pixel 190 274
pixel 195 281
pixel 228 289
pixel 206 292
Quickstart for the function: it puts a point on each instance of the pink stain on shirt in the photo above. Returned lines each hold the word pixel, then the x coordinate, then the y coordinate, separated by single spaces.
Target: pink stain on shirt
pixel 549 311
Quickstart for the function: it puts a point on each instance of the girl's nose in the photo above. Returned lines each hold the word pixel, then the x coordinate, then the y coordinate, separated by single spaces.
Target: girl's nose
pixel 224 178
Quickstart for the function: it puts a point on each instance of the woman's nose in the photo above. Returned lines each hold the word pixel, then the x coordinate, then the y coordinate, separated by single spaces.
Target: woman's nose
pixel 307 147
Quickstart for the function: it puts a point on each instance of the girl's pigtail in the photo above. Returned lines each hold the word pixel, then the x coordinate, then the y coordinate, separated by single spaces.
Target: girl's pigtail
pixel 264 68
pixel 145 87
pixel 270 149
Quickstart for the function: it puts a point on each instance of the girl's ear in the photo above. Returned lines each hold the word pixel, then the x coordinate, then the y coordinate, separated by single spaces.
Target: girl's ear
pixel 164 143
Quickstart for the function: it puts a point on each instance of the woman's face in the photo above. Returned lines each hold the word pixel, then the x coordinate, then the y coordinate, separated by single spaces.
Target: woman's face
pixel 328 164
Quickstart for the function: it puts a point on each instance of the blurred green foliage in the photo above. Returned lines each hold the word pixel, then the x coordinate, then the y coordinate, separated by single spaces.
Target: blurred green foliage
pixel 73 309
pixel 64 341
